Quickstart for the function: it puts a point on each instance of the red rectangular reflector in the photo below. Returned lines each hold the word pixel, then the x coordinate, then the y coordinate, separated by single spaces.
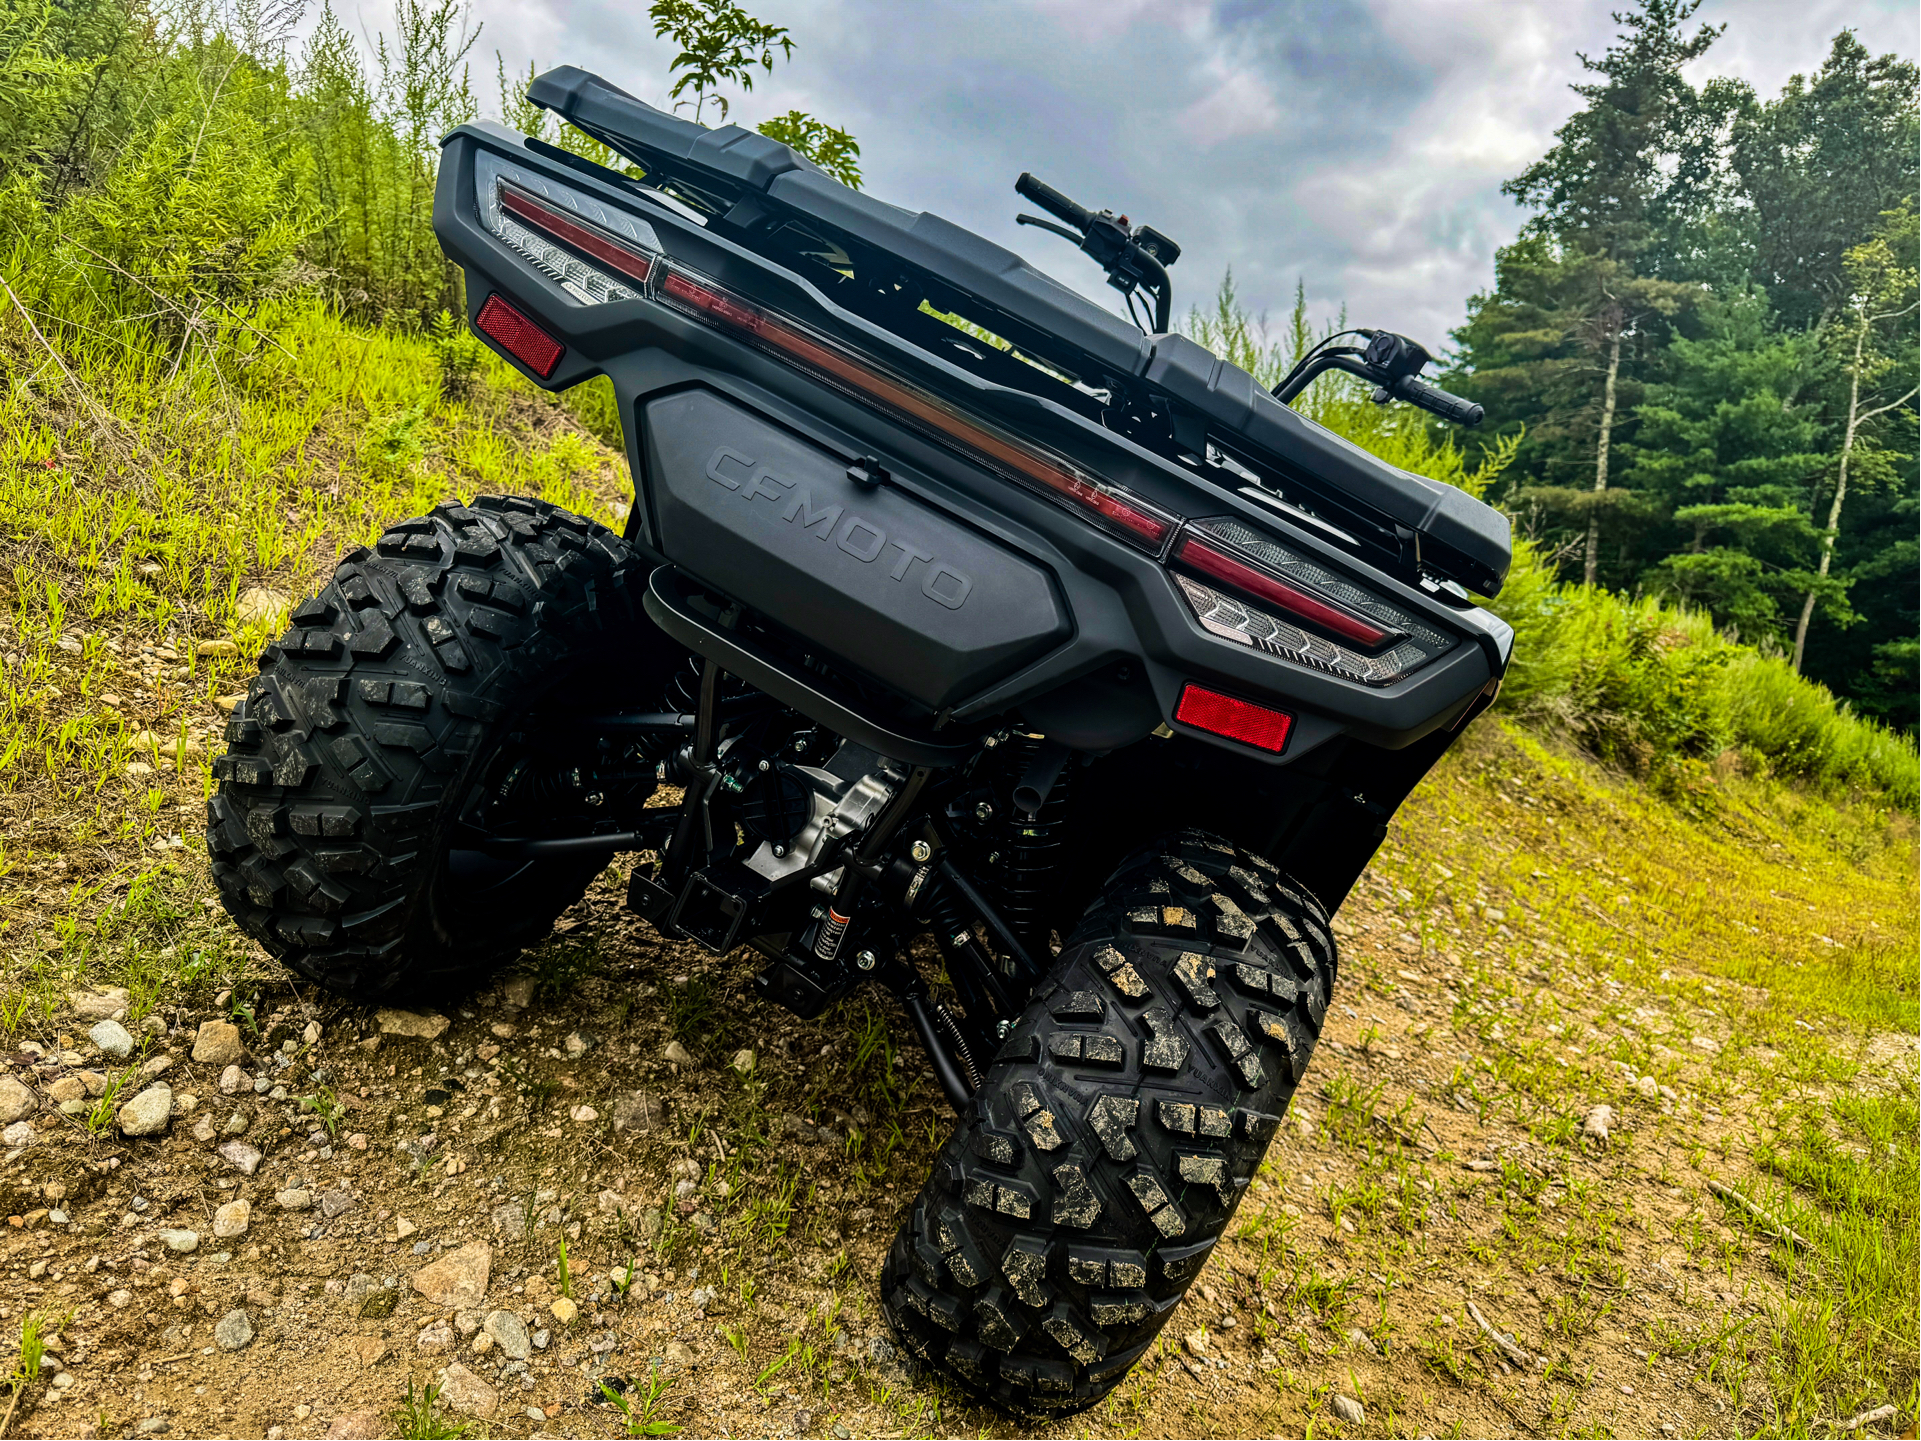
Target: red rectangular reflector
pixel 519 336
pixel 1262 586
pixel 1238 720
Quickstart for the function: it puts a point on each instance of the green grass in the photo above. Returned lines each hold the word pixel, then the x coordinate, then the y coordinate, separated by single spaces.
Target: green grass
pixel 419 1418
pixel 140 503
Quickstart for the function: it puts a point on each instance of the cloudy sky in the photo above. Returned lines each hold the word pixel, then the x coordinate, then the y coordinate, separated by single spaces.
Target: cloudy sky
pixel 1356 145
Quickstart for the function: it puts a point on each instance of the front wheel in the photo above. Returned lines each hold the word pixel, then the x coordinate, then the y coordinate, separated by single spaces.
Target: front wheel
pixel 1116 1130
pixel 434 687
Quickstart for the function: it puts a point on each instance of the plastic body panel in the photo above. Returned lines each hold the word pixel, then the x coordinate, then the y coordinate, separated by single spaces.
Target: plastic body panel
pixel 1123 608
pixel 1476 535
pixel 892 587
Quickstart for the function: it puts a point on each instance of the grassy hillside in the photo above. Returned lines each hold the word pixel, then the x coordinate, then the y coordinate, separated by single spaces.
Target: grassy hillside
pixel 1620 892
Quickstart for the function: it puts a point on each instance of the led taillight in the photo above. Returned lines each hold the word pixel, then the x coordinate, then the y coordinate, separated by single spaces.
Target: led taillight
pixel 519 336
pixel 1218 564
pixel 1110 506
pixel 1236 719
pixel 628 262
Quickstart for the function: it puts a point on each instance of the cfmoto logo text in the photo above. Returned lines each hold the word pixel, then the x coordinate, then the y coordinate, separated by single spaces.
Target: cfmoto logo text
pixel 852 534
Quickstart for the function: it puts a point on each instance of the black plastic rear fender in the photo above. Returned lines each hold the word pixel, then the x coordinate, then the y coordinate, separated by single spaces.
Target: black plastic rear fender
pixel 905 593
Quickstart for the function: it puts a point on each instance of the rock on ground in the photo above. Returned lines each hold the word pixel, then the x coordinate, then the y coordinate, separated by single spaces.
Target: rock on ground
pixel 112 1039
pixel 509 1333
pixel 101 1005
pixel 366 1424
pixel 234 1331
pixel 1599 1120
pixel 334 1202
pixel 261 605
pixel 218 1043
pixel 147 1113
pixel 467 1393
pixel 458 1278
pixel 242 1157
pixel 1349 1410
pixel 411 1024
pixel 17 1102
pixel 232 1219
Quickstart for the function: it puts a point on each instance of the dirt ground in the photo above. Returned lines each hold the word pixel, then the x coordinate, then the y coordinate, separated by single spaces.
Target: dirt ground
pixel 422 1189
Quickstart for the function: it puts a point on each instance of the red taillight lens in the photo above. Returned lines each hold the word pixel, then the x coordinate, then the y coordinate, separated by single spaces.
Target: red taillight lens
pixel 630 263
pixel 1112 507
pixel 1238 720
pixel 519 336
pixel 1230 570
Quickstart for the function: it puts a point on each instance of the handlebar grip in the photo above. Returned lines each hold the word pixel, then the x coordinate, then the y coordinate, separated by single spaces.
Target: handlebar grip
pixel 1051 200
pixel 1436 401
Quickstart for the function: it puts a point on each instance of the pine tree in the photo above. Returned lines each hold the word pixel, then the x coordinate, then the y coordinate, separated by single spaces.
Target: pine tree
pixel 1623 171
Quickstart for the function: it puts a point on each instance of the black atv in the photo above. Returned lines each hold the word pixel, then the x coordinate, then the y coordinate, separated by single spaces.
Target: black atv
pixel 990 640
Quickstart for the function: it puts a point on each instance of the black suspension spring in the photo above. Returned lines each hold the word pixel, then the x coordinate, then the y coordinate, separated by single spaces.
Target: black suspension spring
pixel 1033 850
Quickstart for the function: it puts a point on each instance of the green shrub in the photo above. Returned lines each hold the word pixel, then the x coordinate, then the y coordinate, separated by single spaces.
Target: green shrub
pixel 1644 684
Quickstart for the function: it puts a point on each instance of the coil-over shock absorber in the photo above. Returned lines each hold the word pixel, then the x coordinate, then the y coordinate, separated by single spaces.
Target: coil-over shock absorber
pixel 1033 848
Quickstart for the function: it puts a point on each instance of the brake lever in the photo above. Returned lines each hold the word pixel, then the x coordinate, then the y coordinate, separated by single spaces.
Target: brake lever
pixel 1060 230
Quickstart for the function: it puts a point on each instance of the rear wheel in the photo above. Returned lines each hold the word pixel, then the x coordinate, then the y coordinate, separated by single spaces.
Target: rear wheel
pixel 1116 1130
pixel 430 690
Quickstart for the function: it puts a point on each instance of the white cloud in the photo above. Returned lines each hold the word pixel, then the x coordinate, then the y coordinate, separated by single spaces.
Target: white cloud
pixel 1356 145
pixel 1238 102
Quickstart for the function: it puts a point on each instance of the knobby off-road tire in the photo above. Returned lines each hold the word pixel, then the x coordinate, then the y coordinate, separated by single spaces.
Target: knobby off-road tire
pixel 375 716
pixel 1115 1131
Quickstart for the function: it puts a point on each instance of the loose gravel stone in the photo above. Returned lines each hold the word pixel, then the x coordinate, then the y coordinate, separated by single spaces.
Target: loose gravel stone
pixel 1347 1409
pixel 509 1333
pixel 466 1393
pixel 677 1054
pixel 180 1242
pixel 242 1157
pixel 336 1202
pixel 67 1088
pixel 366 1424
pixel 564 1311
pixel 412 1025
pixel 458 1278
pixel 101 1005
pixel 437 1337
pixel 147 1113
pixel 17 1102
pixel 218 1043
pixel 232 1219
pixel 112 1039
pixel 293 1199
pixel 233 1332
